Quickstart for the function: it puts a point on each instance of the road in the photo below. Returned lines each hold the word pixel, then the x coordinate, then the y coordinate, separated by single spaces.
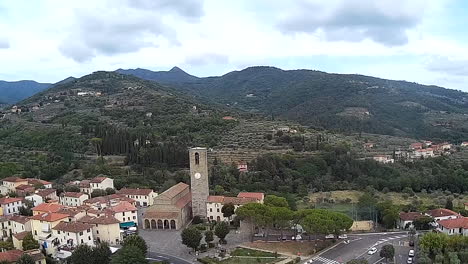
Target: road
pixel 154 256
pixel 359 246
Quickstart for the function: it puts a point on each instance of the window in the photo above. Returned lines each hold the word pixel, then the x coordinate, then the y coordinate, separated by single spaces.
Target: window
pixel 81 240
pixel 81 233
pixel 134 217
pixel 35 232
pixel 197 158
pixel 89 238
pixel 58 232
pixel 123 214
pixel 97 232
pixel 217 210
pixel 211 210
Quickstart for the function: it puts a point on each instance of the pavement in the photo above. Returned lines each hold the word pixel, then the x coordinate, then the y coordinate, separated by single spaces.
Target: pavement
pixel 359 246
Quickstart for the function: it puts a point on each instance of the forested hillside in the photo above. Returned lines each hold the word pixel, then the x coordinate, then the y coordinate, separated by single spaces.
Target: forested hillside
pixel 12 92
pixel 341 102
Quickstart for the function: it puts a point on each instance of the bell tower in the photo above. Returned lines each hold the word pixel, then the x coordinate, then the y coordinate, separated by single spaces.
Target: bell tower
pixel 199 180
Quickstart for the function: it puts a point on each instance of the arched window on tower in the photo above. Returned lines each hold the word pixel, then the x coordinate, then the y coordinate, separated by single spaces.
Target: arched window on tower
pixel 197 158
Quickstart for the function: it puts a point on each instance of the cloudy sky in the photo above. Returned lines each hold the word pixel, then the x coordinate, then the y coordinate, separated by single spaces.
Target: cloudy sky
pixel 415 40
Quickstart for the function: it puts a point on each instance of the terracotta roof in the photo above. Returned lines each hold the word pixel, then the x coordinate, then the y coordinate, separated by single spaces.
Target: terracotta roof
pixel 126 191
pixel 441 212
pixel 50 217
pixel 7 200
pixel 123 207
pixel 48 207
pixel 24 187
pixel 215 199
pixel 182 202
pixel 102 220
pixel 22 235
pixel 454 223
pixel 410 216
pixel 73 194
pixel 98 179
pixel 416 145
pixel 13 179
pixel 73 227
pixel 18 218
pixel 45 192
pixel 84 183
pixel 174 190
pixel 107 198
pixel 11 255
pixel 37 181
pixel 161 215
pixel 257 195
pixel 71 211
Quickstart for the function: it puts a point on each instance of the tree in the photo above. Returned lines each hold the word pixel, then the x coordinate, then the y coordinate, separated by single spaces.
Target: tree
pixel 25 259
pixel 191 237
pixel 97 143
pixel 110 191
pixel 129 255
pixel 137 241
pixel 387 252
pixel 221 231
pixel 29 242
pixel 6 245
pixel 281 218
pixel 449 204
pixel 423 223
pixel 276 201
pixel 209 236
pixel 228 210
pixel 101 253
pixel 72 188
pixel 433 243
pixel 219 190
pixel 98 192
pixel 81 254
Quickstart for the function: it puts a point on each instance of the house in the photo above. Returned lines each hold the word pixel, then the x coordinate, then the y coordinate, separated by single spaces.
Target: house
pixel 406 219
pixel 10 183
pixel 242 166
pixel 35 199
pixel 101 183
pixel 125 212
pixel 256 195
pixel 19 223
pixel 383 159
pixel 85 186
pixel 24 190
pixel 11 256
pixel 415 146
pixel 73 198
pixel 11 205
pixel 215 204
pixel 455 226
pixel 73 234
pixel 105 228
pixel 464 144
pixel 466 206
pixel 368 145
pixel 18 239
pixel 41 227
pixel 46 208
pixel 102 202
pixel 143 197
pixel 423 153
pixel 442 214
pixel 229 118
pixel 47 194
pixel 39 183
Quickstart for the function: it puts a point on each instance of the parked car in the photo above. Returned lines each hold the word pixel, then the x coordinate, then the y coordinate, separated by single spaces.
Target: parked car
pixel 410 261
pixel 298 237
pixel 372 251
pixel 411 243
pixel 330 236
pixel 411 253
pixel 346 241
pixel 343 236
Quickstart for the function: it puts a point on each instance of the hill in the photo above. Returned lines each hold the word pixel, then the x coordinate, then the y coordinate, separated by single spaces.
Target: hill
pixel 175 75
pixel 12 92
pixel 341 102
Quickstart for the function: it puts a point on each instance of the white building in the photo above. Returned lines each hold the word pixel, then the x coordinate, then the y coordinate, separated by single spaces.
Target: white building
pixel 35 198
pixel 442 214
pixel 457 226
pixel 383 159
pixel 11 206
pixel 73 198
pixel 101 183
pixel 125 212
pixel 215 204
pixel 143 197
pixel 72 234
pixel 19 224
pixel 406 219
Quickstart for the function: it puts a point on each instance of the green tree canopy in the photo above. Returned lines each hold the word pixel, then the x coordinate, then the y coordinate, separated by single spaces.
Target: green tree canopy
pixel 81 254
pixel 387 252
pixel 209 236
pixel 137 241
pixel 221 231
pixel 228 210
pixel 29 242
pixel 191 237
pixel 276 201
pixel 101 254
pixel 25 259
pixel 129 254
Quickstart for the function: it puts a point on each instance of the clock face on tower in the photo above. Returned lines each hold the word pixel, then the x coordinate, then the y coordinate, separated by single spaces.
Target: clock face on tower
pixel 197 175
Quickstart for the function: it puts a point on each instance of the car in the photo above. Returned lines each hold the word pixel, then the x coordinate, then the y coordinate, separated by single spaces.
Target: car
pixel 330 236
pixel 411 243
pixel 346 241
pixel 343 236
pixel 298 237
pixel 372 251
pixel 410 261
pixel 411 253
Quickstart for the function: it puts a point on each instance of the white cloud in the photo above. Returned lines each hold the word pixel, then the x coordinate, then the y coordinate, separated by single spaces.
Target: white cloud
pixel 4 43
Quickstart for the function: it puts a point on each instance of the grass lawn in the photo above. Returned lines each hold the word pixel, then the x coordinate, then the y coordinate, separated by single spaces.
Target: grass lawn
pixel 303 248
pixel 251 253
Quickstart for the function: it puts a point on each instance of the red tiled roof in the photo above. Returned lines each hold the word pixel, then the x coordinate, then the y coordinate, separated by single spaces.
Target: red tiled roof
pixel 50 217
pixel 13 179
pixel 73 227
pixel 233 200
pixel 98 179
pixel 71 211
pixel 107 198
pixel 215 199
pixel 454 223
pixel 24 187
pixel 174 190
pixel 11 255
pixel 7 200
pixel 18 218
pixel 182 202
pixel 257 195
pixel 126 191
pixel 22 235
pixel 161 215
pixel 45 192
pixel 123 207
pixel 48 207
pixel 441 212
pixel 37 181
pixel 410 216
pixel 84 184
pixel 102 220
pixel 73 194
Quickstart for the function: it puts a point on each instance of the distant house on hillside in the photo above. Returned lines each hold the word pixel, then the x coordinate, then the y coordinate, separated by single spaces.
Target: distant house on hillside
pixel 383 159
pixel 423 153
pixel 368 145
pixel 229 118
pixel 416 146
pixel 242 166
pixel 464 144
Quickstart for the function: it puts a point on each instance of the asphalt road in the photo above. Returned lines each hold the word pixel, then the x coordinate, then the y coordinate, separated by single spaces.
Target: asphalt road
pixel 359 246
pixel 154 256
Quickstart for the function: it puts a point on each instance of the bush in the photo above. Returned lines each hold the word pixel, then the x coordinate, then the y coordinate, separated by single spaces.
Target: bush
pixel 197 220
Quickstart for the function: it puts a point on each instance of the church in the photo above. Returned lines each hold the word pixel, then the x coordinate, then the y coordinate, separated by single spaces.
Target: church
pixel 174 208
